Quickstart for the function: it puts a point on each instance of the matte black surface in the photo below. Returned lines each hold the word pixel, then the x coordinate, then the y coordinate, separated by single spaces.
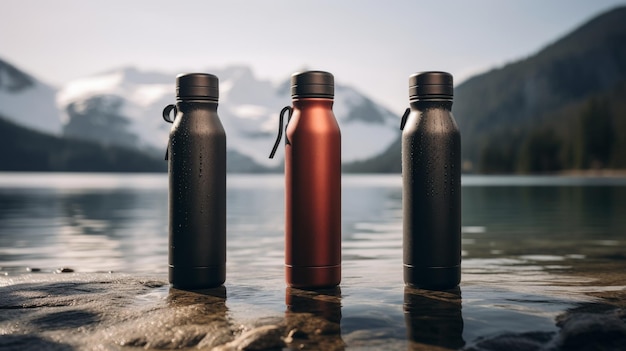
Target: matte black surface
pixel 197 86
pixel 197 197
pixel 193 278
pixel 312 84
pixel 431 177
pixel 431 85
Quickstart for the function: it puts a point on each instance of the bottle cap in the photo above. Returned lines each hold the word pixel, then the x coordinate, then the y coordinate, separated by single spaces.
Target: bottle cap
pixel 312 84
pixel 430 85
pixel 197 86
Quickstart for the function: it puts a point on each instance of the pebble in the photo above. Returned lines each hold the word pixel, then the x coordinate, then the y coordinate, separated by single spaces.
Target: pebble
pixel 64 270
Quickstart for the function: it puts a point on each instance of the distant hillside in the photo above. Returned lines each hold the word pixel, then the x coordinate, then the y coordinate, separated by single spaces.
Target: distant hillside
pixel 26 101
pixel 562 108
pixel 24 149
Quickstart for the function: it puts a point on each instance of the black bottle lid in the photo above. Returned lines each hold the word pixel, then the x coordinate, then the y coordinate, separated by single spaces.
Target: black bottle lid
pixel 197 86
pixel 430 85
pixel 312 84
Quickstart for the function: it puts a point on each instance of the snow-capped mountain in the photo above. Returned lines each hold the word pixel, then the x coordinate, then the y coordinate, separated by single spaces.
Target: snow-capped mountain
pixel 125 107
pixel 27 101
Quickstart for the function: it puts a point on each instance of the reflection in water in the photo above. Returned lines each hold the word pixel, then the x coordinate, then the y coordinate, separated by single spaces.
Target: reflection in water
pixel 204 309
pixel 215 297
pixel 434 317
pixel 210 303
pixel 314 318
pixel 88 230
pixel 573 212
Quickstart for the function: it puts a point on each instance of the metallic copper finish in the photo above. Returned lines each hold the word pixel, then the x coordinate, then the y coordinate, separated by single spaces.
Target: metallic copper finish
pixel 313 195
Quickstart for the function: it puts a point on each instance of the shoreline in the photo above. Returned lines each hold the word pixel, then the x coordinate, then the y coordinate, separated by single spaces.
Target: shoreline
pixel 119 311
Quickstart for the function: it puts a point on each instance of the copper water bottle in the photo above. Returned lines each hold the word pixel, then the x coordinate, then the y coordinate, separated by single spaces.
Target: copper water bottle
pixel 313 183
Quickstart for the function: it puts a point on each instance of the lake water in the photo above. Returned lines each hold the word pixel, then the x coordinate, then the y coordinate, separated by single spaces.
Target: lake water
pixel 533 248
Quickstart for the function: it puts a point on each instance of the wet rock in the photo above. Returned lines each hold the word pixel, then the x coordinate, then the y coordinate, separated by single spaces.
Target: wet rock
pixel 168 337
pixel 30 342
pixel 217 337
pixel 267 337
pixel 188 319
pixel 588 331
pixel 310 324
pixel 295 334
pixel 514 342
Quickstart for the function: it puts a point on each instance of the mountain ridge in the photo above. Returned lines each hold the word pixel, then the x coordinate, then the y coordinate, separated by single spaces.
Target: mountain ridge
pixel 28 101
pixel 500 112
pixel 248 108
pixel 122 108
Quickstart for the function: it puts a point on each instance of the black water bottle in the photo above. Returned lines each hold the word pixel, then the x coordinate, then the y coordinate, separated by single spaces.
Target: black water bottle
pixel 196 157
pixel 431 179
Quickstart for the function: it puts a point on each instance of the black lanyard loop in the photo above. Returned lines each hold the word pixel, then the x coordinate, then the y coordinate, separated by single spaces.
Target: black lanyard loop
pixel 280 128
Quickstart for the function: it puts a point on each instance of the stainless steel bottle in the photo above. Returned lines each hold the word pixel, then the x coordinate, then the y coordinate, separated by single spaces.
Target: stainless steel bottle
pixel 196 157
pixel 431 179
pixel 313 183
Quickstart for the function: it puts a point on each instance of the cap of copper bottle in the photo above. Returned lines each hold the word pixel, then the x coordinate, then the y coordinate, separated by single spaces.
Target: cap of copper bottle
pixel 312 84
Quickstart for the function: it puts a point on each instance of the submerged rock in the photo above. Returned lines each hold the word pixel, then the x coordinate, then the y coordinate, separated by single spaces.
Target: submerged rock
pixel 269 337
pixel 514 342
pixel 590 331
pixel 603 329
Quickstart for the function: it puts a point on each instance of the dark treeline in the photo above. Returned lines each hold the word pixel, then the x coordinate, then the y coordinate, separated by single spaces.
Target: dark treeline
pixel 26 150
pixel 593 136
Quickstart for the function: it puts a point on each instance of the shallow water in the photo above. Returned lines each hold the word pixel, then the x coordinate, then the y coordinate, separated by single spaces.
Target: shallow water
pixel 533 248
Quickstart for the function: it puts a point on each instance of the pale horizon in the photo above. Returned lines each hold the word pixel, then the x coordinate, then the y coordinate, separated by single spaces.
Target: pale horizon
pixel 371 47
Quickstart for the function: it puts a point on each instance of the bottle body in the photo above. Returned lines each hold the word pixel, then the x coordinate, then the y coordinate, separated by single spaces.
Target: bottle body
pixel 313 195
pixel 431 201
pixel 197 197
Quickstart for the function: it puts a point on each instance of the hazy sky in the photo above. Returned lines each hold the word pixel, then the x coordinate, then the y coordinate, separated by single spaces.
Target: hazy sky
pixel 371 45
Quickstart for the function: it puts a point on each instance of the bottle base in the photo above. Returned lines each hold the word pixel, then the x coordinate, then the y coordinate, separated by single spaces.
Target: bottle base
pixel 433 278
pixel 313 277
pixel 193 278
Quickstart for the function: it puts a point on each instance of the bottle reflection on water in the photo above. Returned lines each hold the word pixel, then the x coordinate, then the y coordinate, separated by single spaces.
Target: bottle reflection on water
pixel 204 310
pixel 434 317
pixel 209 304
pixel 214 296
pixel 313 318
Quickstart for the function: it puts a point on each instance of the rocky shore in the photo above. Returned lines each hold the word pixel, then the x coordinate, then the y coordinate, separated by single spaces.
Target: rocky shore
pixel 112 311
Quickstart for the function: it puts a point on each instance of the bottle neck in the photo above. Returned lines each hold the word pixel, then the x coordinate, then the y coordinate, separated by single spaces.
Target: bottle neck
pixel 311 102
pixel 184 105
pixel 434 103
